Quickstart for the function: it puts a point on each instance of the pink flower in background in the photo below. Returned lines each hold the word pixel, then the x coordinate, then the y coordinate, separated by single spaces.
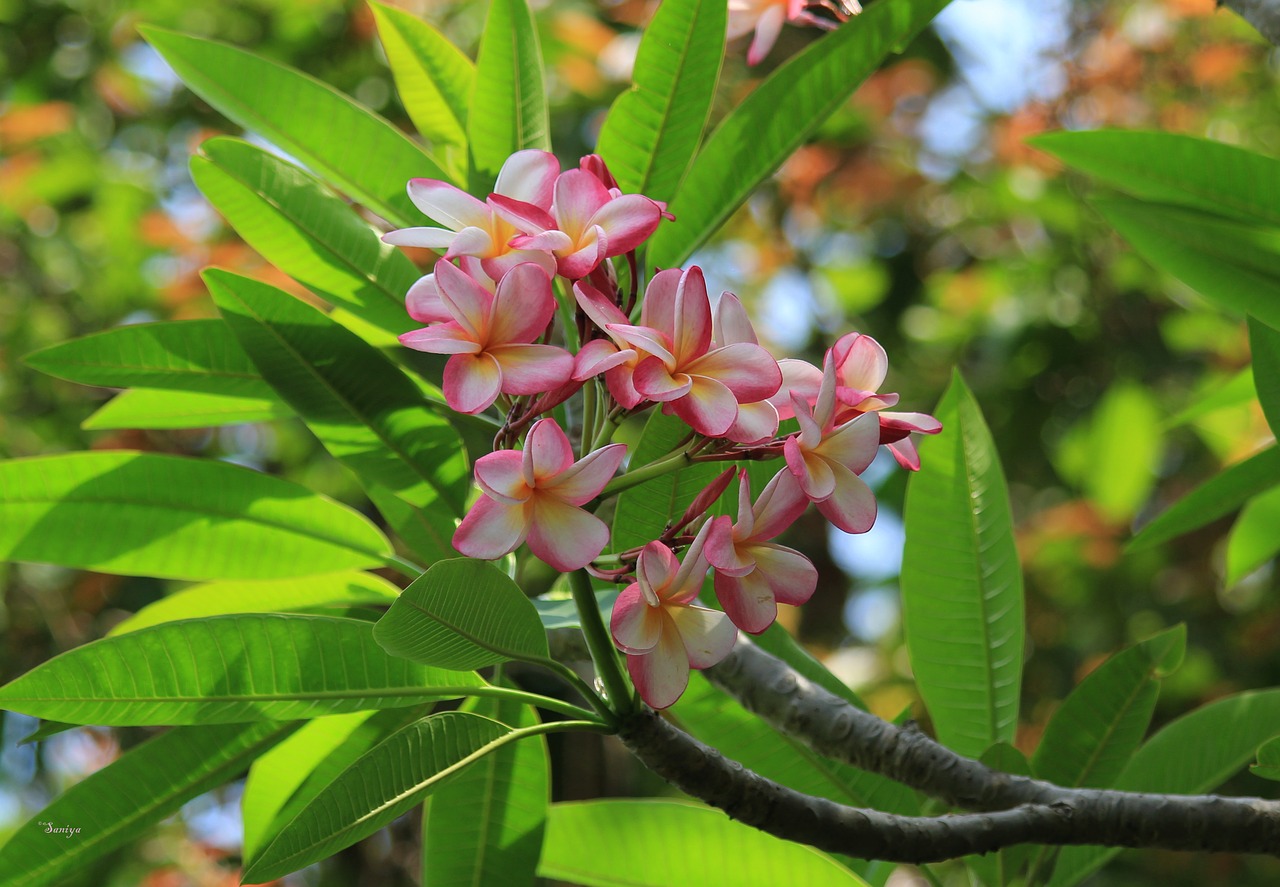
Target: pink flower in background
pixel 826 459
pixel 753 574
pixel 585 225
pixel 490 336
pixel 700 384
pixel 757 421
pixel 766 18
pixel 536 495
pixel 658 625
pixel 472 228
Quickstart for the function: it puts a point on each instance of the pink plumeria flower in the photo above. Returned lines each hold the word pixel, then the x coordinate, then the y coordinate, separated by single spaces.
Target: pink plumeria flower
pixel 826 459
pixel 612 356
pixel 536 495
pixel 894 431
pixel 700 384
pixel 757 422
pixel 585 225
pixel 660 628
pixel 472 228
pixel 754 575
pixel 490 337
pixel 766 18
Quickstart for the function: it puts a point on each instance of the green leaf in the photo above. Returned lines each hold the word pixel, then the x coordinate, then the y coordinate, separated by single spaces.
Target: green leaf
pixel 1172 168
pixel 386 782
pixel 176 518
pixel 961 583
pixel 1233 264
pixel 156 408
pixel 226 669
pixel 1091 738
pixel 651 843
pixel 1268 766
pixel 433 77
pixel 289 776
pixel 652 131
pixel 1218 496
pixel 463 614
pixel 1192 755
pixel 563 612
pixel 778 117
pixel 263 596
pixel 508 107
pixel 1264 345
pixel 351 147
pixel 364 410
pixel 485 825
pixel 121 801
pixel 183 355
pixel 1236 391
pixel 1253 539
pixel 309 233
pixel 1004 867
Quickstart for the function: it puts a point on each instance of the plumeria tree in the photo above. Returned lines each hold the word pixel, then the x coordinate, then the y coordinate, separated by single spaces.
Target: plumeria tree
pixel 579 493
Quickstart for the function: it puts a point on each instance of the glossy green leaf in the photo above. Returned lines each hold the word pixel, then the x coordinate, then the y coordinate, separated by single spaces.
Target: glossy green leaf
pixel 961 582
pixel 1268 765
pixel 508 107
pixel 150 515
pixel 485 825
pixel 183 355
pixel 310 233
pixel 1173 168
pixel 226 669
pixel 1264 346
pixel 349 146
pixel 652 843
pixel 157 408
pixel 563 612
pixel 778 117
pixel 386 782
pixel 289 776
pixel 462 614
pixel 651 133
pixel 1194 754
pixel 263 596
pixel 433 77
pixel 1004 867
pixel 1091 738
pixel 1233 264
pixel 1253 539
pixel 121 801
pixel 364 410
pixel 1218 496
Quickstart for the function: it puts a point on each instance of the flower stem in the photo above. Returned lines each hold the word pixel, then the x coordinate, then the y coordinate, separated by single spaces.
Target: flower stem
pixel 609 425
pixel 599 643
pixel 667 464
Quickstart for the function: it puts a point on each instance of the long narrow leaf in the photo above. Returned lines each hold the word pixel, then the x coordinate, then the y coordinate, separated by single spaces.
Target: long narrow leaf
pixel 961 582
pixel 1253 540
pixel 1264 346
pixel 121 801
pixel 151 515
pixel 767 127
pixel 227 669
pixel 652 131
pixel 157 408
pixel 351 147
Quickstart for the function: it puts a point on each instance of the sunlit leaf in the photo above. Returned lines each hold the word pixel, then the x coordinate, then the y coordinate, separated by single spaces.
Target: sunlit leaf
pixel 1236 391
pixel 151 515
pixel 1253 539
pixel 961 582
pixel 226 669
pixel 157 408
pixel 1264 346
pixel 1268 765
pixel 652 131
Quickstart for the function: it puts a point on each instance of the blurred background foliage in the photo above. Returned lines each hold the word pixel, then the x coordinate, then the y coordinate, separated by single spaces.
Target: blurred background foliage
pixel 919 216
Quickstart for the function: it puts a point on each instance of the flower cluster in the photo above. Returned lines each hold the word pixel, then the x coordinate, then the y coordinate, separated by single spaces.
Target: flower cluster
pixel 766 18
pixel 491 305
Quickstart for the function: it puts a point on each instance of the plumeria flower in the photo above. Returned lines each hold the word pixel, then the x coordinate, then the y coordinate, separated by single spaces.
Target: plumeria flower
pixel 660 628
pixel 753 574
pixel 613 356
pixel 472 228
pixel 536 495
pixel 700 384
pixel 766 18
pixel 585 225
pixel 826 459
pixel 757 422
pixel 490 336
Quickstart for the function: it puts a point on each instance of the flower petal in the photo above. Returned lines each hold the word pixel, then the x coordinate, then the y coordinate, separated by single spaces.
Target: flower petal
pixel 636 627
pixel 523 306
pixel 440 338
pixel 790 574
pixel 465 299
pixel 661 675
pixel 652 379
pixel 532 369
pixel 423 301
pixel 498 475
pixel 812 472
pixel 564 536
pixel 588 252
pixel 647 340
pixel 547 451
pixel 655 568
pixel 854 443
pixel 529 176
pixel 472 382
pixel 781 502
pixel 709 408
pixel 721 551
pixel 450 206
pixel 491 529
pixel 731 324
pixel 628 220
pixel 472 242
pixel 691 336
pixel 523 216
pixel 708 635
pixel 747 370
pixel 748 600
pixel 496 266
pixel 578 195
pixel 768 28
pixel 582 481
pixel 904 451
pixel 852 505
pixel 861 362
pixel 598 356
pixel 423 238
pixel 799 378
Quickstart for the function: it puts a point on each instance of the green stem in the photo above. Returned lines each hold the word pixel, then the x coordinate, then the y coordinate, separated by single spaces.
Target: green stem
pixel 404 566
pixel 588 692
pixel 590 399
pixel 568 306
pixel 667 464
pixel 610 425
pixel 599 643
pixel 537 700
